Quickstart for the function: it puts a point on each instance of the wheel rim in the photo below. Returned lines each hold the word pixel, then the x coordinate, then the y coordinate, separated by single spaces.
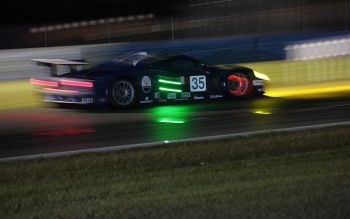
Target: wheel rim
pixel 123 93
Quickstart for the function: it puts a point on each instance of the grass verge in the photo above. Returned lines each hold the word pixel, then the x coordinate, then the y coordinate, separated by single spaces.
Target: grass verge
pixel 295 175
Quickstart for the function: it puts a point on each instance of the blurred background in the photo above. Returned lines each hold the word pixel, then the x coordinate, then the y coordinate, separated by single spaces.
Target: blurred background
pixel 303 45
pixel 58 23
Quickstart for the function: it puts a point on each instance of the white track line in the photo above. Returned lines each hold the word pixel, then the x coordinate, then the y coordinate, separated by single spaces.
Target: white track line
pixel 159 143
pixel 321 108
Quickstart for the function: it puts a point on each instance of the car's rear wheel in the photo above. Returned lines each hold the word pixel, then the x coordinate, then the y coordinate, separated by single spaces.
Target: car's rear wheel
pixel 122 94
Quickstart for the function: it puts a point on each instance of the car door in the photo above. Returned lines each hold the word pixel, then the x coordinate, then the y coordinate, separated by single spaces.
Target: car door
pixel 194 76
pixel 175 76
pixel 167 79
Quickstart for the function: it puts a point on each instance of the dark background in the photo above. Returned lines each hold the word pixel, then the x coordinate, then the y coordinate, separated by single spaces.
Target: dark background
pixel 26 24
pixel 19 12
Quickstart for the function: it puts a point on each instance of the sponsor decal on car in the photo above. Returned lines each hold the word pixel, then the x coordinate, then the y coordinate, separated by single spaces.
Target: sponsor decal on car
pixel 215 96
pixel 258 82
pixel 157 95
pixel 198 98
pixel 171 96
pixel 146 84
pixel 185 95
pixel 147 100
pixel 182 79
pixel 87 100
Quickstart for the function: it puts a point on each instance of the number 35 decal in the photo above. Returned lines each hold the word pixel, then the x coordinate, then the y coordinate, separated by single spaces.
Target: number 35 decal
pixel 198 83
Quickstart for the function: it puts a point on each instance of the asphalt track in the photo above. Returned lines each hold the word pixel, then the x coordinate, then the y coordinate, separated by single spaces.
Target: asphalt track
pixel 45 130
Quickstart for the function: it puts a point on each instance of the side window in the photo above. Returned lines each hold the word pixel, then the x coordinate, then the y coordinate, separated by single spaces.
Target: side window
pixel 162 66
pixel 177 65
pixel 196 66
pixel 185 64
pixel 180 64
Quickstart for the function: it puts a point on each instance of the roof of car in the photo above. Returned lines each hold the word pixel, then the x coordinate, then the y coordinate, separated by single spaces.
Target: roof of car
pixel 145 58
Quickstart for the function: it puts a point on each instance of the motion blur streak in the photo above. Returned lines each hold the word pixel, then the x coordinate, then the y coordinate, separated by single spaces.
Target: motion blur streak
pixel 262 112
pixel 77 83
pixel 17 94
pixel 60 90
pixel 44 83
pixel 318 90
pixel 314 77
pixel 319 48
pixel 209 3
pixel 62 132
pixel 286 73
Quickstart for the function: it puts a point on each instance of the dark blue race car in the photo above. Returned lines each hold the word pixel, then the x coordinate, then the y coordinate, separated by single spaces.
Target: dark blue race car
pixel 146 78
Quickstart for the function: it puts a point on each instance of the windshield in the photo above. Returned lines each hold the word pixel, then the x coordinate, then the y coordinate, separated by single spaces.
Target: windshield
pixel 133 59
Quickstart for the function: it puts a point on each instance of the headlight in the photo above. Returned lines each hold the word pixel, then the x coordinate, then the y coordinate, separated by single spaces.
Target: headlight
pixel 261 76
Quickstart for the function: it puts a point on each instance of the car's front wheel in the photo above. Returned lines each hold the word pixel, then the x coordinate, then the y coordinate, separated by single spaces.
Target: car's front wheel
pixel 122 94
pixel 240 85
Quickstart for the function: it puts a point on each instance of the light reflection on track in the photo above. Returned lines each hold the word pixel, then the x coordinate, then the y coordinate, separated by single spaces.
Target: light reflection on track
pixel 45 130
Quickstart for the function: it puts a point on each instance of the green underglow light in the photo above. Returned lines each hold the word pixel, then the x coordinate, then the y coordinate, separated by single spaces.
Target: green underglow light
pixel 169 82
pixel 172 121
pixel 169 89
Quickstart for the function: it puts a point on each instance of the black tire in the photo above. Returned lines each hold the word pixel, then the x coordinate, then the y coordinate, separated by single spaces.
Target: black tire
pixel 122 94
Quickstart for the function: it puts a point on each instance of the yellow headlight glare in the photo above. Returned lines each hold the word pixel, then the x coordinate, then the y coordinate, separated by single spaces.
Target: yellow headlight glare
pixel 261 76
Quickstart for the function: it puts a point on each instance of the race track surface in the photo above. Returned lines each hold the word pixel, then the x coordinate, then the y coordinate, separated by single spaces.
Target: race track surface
pixel 52 129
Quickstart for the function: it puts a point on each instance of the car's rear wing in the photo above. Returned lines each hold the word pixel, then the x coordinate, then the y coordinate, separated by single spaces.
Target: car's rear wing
pixel 53 63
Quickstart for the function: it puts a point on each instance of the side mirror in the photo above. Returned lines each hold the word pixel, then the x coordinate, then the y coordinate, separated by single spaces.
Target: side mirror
pixel 204 66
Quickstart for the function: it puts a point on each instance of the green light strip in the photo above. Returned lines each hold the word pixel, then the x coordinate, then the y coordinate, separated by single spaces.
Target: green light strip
pixel 169 82
pixel 169 89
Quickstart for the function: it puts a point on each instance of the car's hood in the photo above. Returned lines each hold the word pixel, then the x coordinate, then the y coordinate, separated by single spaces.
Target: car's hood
pixel 228 68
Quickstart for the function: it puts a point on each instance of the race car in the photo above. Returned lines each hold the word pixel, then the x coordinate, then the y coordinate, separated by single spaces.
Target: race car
pixel 146 78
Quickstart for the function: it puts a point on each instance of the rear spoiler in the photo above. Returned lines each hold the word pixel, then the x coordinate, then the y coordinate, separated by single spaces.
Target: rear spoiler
pixel 53 63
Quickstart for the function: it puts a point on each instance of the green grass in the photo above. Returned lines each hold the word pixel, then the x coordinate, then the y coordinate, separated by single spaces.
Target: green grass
pixel 295 175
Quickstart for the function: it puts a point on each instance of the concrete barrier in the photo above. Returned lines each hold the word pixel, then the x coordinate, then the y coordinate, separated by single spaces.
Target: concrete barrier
pixel 17 64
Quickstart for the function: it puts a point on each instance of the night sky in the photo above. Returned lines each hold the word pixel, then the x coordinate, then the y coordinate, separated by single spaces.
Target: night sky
pixel 53 11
